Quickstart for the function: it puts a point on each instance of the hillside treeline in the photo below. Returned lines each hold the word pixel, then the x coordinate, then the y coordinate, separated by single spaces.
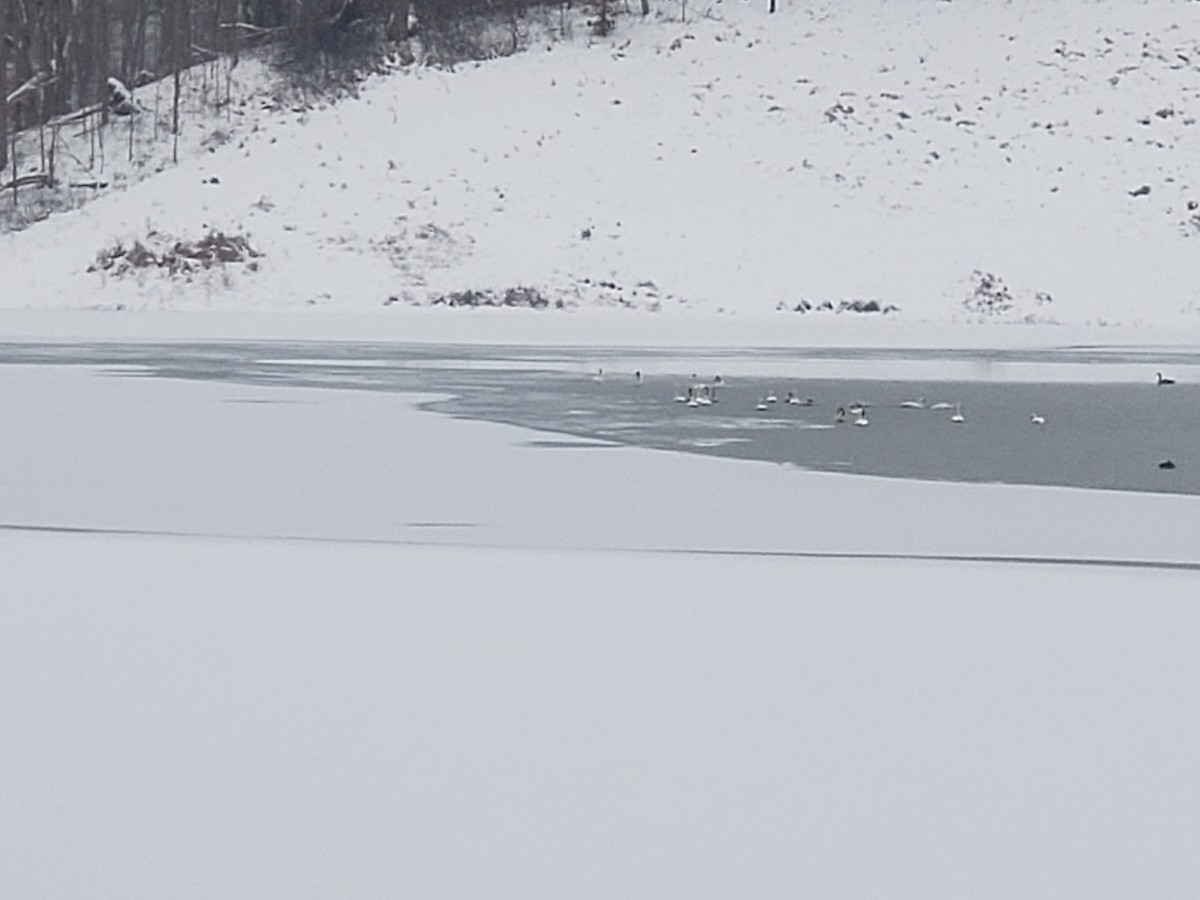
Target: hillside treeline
pixel 59 56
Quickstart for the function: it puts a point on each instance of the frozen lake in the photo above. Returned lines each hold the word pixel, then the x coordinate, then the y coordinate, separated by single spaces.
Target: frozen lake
pixel 263 610
pixel 1108 424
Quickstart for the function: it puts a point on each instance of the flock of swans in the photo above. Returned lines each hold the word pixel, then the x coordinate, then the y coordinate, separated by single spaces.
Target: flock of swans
pixel 704 393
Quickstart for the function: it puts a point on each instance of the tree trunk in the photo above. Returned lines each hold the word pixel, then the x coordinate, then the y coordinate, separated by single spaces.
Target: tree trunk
pixel 21 33
pixel 175 117
pixel 180 39
pixel 4 5
pixel 396 19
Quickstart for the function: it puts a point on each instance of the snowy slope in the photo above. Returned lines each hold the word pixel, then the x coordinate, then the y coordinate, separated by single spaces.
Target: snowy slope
pixel 736 163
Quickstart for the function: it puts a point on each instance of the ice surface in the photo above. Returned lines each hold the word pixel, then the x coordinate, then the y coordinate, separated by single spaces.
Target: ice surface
pixel 418 656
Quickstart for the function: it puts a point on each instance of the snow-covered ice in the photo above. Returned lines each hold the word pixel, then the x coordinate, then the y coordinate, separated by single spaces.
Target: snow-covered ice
pixel 296 641
pixel 215 718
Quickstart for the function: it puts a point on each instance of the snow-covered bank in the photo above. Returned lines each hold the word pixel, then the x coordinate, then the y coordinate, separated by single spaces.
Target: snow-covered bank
pixel 739 162
pixel 579 328
pixel 225 718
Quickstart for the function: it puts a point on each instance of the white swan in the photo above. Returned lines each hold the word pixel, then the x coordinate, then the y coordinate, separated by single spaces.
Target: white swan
pixel 861 421
pixel 762 406
pixel 1037 420
pixel 942 405
pixel 957 418
pixel 919 403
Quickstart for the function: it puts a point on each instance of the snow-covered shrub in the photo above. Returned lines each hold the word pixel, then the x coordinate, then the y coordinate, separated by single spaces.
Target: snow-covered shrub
pixel 120 98
pixel 452 31
pixel 989 295
pixel 218 137
pixel 1191 224
pixel 842 306
pixel 175 256
pixel 514 297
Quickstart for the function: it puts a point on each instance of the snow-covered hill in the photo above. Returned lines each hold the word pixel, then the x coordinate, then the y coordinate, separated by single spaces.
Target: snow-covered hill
pixel 958 161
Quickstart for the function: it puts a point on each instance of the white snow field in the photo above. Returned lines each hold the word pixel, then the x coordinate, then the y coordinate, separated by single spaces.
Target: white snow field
pixel 267 719
pixel 299 642
pixel 284 642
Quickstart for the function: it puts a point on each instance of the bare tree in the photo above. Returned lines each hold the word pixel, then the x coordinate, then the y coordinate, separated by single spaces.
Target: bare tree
pixel 57 56
pixel 178 45
pixel 396 13
pixel 4 39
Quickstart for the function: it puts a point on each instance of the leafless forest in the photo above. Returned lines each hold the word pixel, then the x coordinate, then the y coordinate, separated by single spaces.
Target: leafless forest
pixel 71 58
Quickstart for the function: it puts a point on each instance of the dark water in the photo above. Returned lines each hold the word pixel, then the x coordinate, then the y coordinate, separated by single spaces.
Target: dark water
pixel 1110 431
pixel 1106 436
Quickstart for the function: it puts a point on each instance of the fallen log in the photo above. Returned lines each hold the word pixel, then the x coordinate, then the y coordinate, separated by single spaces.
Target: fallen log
pixel 38 179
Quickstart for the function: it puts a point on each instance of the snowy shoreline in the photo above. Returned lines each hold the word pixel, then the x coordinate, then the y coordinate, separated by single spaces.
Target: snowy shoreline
pixel 577 328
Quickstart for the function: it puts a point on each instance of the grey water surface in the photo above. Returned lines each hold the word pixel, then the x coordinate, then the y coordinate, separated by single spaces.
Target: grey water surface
pixel 1108 424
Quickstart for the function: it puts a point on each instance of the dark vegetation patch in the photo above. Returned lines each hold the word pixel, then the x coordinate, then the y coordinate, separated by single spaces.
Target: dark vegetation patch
pixel 989 295
pixel 513 298
pixel 842 306
pixel 160 251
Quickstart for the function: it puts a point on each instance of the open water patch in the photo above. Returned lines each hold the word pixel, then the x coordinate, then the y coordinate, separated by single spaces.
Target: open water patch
pixel 1072 417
